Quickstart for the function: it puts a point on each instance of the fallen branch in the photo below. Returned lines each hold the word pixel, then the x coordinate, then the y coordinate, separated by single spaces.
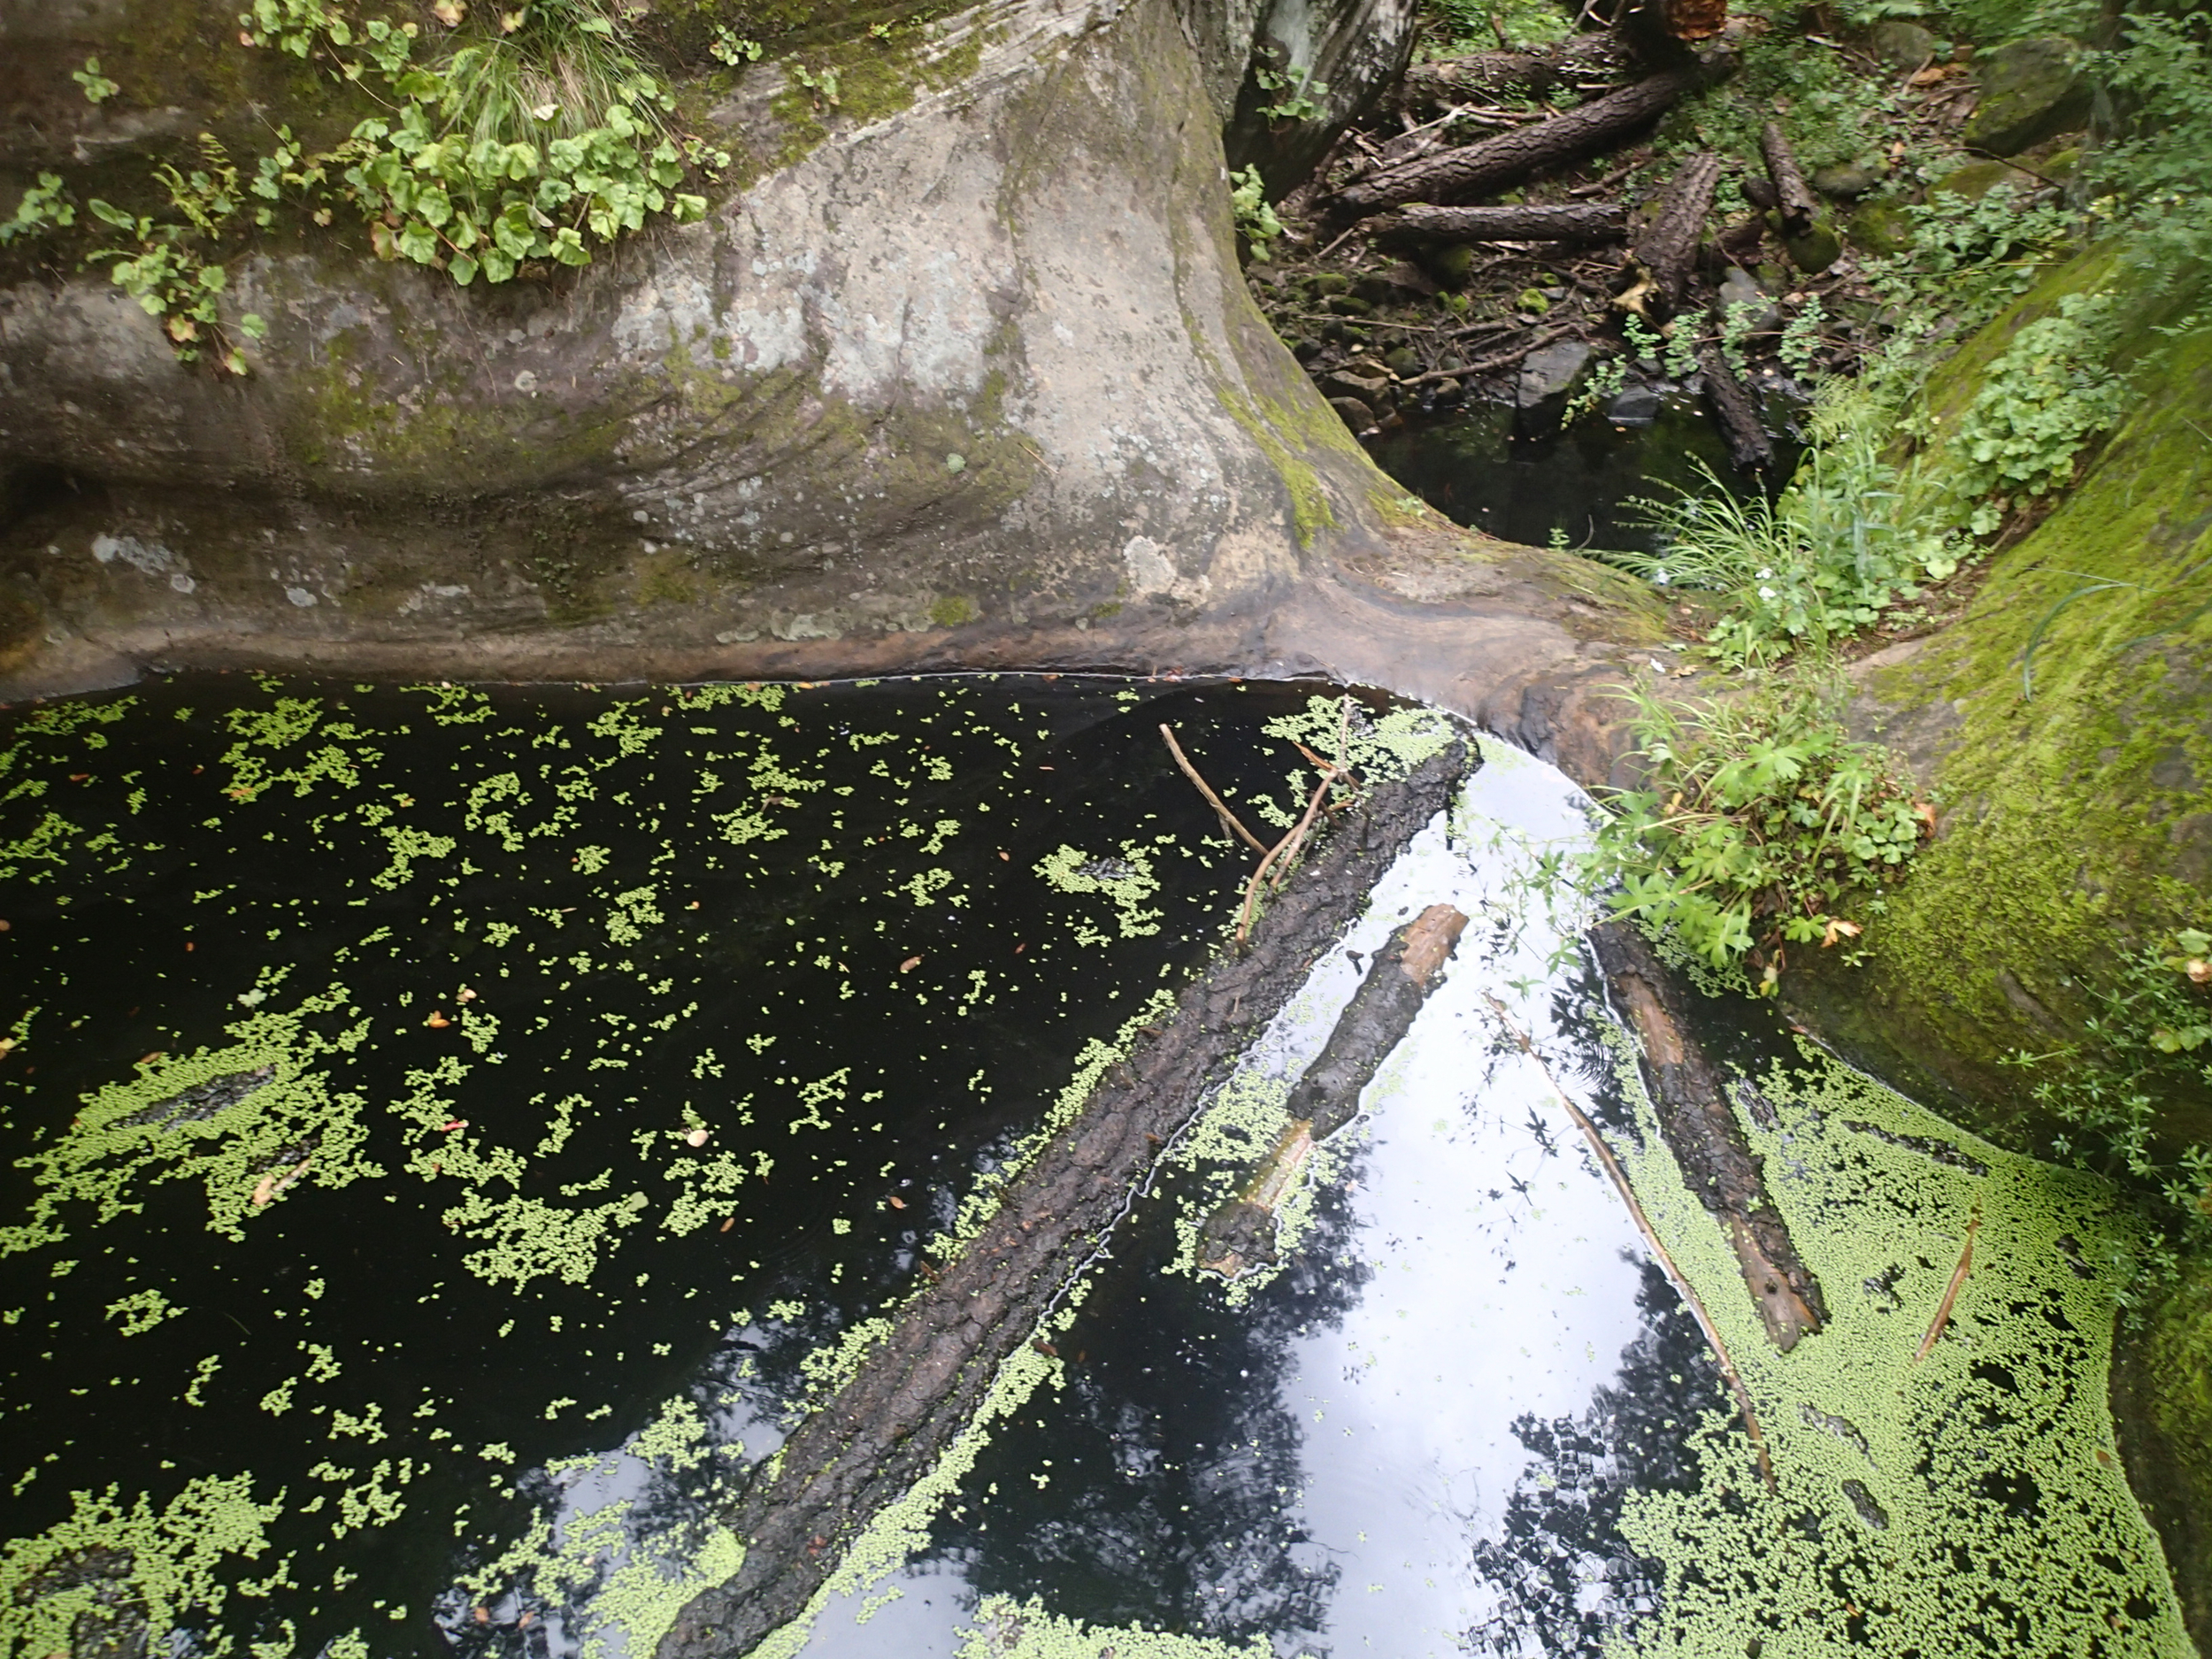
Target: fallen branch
pixel 1229 820
pixel 1749 445
pixel 1448 80
pixel 1581 221
pixel 1951 1291
pixel 1499 162
pixel 1668 251
pixel 1612 1166
pixel 1793 197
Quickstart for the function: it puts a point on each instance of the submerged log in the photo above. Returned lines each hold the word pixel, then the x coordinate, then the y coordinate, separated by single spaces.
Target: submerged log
pixel 1583 221
pixel 1749 446
pixel 1701 1130
pixel 1668 251
pixel 1496 163
pixel 914 1392
pixel 1793 196
pixel 1326 1097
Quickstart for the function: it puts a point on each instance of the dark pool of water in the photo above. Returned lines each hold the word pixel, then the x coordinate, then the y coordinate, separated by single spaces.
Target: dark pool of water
pixel 1497 469
pixel 810 925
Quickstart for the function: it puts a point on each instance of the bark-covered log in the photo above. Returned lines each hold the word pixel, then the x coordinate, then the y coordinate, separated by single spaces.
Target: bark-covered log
pixel 1793 197
pixel 1581 221
pixel 864 1447
pixel 1668 251
pixel 1749 445
pixel 1701 1130
pixel 1486 75
pixel 1495 164
pixel 1326 1097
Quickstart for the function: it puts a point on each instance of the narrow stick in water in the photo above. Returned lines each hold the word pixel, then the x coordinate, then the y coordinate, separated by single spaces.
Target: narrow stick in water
pixel 1951 1291
pixel 1612 1166
pixel 1229 820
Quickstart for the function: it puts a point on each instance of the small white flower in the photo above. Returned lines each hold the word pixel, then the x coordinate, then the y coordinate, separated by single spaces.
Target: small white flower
pixel 1659 577
pixel 1764 574
pixel 1766 593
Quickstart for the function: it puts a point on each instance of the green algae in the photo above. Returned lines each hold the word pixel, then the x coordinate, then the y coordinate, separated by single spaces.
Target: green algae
pixel 1970 1500
pixel 160 1567
pixel 290 1128
pixel 1024 1630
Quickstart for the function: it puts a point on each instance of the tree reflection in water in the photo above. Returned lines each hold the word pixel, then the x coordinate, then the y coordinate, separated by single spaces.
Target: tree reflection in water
pixel 1566 1577
pixel 1174 1506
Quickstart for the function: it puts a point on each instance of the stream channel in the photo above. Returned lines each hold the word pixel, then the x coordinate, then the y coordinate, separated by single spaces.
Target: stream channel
pixel 450 1131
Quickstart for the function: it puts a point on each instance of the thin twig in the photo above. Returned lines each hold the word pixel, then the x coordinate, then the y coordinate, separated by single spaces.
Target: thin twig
pixel 1612 1166
pixel 1951 1291
pixel 1497 360
pixel 1229 820
pixel 1280 855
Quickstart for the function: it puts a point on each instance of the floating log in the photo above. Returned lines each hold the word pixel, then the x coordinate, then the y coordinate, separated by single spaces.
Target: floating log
pixel 1793 196
pixel 1583 221
pixel 916 1391
pixel 1749 446
pixel 1498 162
pixel 1326 1097
pixel 1485 75
pixel 1701 1130
pixel 1668 251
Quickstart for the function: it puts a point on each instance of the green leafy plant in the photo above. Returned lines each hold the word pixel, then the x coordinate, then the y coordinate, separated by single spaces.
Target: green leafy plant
pixel 730 47
pixel 97 87
pixel 162 263
pixel 1256 220
pixel 2036 407
pixel 45 206
pixel 1808 568
pixel 1760 823
pixel 1300 94
pixel 2139 1052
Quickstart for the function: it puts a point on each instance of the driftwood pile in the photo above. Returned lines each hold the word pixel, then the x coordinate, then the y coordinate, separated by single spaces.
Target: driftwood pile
pixel 1419 192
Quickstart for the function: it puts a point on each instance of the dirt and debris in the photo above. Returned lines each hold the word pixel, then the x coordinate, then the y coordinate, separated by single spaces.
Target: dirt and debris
pixel 1633 189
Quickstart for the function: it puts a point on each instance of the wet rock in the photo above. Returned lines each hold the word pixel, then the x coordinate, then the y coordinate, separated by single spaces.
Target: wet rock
pixel 1369 388
pixel 1402 360
pixel 1550 372
pixel 1445 392
pixel 1349 305
pixel 1355 413
pixel 1740 288
pixel 1638 406
pixel 1879 227
pixel 1816 250
pixel 1845 183
pixel 2030 91
pixel 1900 44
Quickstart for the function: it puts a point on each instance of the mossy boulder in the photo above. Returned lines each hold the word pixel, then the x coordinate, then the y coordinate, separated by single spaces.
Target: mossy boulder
pixel 1879 227
pixel 2031 91
pixel 1817 249
pixel 1976 178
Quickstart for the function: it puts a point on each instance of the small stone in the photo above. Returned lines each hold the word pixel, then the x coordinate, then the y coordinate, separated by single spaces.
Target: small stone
pixel 1900 44
pixel 1816 250
pixel 1638 406
pixel 1330 282
pixel 1356 415
pixel 1550 372
pixel 1879 227
pixel 1369 388
pixel 2031 91
pixel 1445 392
pixel 1740 288
pixel 1402 361
pixel 1348 305
pixel 1845 183
pixel 1449 265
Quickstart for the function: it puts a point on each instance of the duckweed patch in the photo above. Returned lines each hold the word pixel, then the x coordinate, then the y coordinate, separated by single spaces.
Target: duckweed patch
pixel 1969 1502
pixel 415 1091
